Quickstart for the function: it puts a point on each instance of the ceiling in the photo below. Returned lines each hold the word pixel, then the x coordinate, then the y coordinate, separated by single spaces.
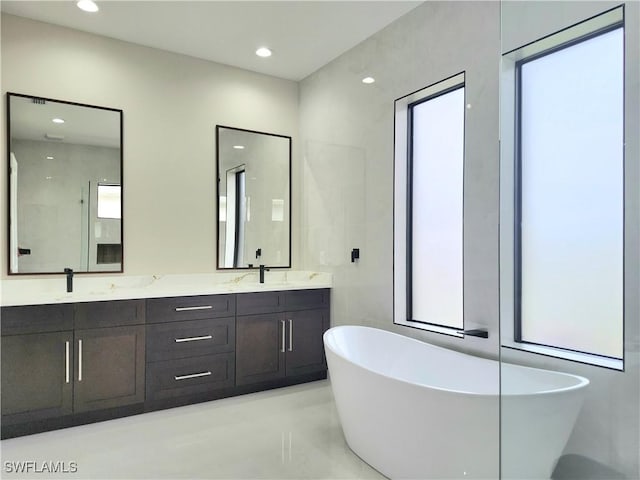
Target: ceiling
pixel 304 35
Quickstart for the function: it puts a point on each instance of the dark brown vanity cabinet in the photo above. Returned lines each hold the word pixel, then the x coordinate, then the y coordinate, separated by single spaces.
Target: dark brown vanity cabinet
pixel 55 364
pixel 279 334
pixel 190 346
pixel 36 362
pixel 69 364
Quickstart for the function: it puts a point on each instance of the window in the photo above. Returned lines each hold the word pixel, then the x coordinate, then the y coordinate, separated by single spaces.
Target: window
pixel 429 238
pixel 109 201
pixel 568 184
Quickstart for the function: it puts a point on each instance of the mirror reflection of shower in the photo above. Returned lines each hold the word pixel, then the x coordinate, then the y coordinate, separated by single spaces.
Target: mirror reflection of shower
pixel 254 189
pixel 64 167
pixel 237 213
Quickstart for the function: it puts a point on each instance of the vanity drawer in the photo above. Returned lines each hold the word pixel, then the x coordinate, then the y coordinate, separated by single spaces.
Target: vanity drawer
pixel 190 338
pixel 172 378
pixel 174 309
pixel 114 313
pixel 261 302
pixel 36 319
pixel 306 299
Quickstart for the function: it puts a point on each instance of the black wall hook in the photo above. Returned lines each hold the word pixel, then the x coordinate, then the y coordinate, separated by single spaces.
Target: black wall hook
pixel 355 254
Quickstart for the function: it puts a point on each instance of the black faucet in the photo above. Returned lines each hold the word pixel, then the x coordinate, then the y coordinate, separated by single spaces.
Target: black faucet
pixel 262 270
pixel 69 272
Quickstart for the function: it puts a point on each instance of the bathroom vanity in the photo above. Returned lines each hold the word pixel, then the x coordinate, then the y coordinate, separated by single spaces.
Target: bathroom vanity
pixel 76 362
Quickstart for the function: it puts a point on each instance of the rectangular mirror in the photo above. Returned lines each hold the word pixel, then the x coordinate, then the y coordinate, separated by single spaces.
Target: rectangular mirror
pixel 254 192
pixel 65 186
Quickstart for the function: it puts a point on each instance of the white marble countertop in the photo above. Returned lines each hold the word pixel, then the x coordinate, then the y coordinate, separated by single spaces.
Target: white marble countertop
pixel 94 288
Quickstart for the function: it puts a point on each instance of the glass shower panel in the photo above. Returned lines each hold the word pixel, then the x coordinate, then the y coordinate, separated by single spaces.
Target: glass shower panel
pixel 569 231
pixel 354 194
pixel 85 203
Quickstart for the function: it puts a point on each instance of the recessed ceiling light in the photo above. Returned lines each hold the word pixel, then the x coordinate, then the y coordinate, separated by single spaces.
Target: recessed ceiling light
pixel 57 120
pixel 239 147
pixel 368 80
pixel 263 52
pixel 49 158
pixel 87 6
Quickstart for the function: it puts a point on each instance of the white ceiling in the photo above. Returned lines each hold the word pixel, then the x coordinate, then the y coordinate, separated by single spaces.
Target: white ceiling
pixel 304 35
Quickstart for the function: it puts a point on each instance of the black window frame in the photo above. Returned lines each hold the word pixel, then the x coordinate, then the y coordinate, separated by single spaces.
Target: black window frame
pixel 409 201
pixel 517 234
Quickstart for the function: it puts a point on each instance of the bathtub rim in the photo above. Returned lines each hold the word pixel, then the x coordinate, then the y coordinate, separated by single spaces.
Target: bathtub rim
pixel 582 382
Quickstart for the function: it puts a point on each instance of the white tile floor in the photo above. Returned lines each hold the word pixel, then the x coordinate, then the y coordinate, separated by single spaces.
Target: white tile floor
pixel 288 433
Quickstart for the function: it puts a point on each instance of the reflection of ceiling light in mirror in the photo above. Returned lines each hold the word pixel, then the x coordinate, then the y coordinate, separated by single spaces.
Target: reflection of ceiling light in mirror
pixel 57 120
pixel 87 6
pixel 48 178
pixel 263 52
pixel 239 147
pixel 368 80
pixel 49 158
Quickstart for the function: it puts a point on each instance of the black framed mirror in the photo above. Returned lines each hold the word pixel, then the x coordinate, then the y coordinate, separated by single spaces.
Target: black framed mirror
pixel 65 186
pixel 254 198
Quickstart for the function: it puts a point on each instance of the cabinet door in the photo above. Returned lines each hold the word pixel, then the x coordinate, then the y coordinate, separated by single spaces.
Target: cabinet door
pixel 260 349
pixel 109 367
pixel 36 376
pixel 305 350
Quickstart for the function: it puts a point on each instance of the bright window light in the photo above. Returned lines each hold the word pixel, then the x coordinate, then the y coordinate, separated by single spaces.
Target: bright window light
pixel 571 198
pixel 436 176
pixel 109 201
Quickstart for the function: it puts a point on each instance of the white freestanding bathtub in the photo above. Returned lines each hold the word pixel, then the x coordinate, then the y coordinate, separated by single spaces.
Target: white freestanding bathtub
pixel 413 410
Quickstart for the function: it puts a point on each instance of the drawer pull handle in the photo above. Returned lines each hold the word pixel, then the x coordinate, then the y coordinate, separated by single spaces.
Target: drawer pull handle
pixel 193 339
pixel 192 375
pixel 188 309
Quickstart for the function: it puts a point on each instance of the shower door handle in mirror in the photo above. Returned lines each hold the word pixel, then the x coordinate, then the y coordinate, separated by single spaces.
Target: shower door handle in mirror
pixel 284 340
